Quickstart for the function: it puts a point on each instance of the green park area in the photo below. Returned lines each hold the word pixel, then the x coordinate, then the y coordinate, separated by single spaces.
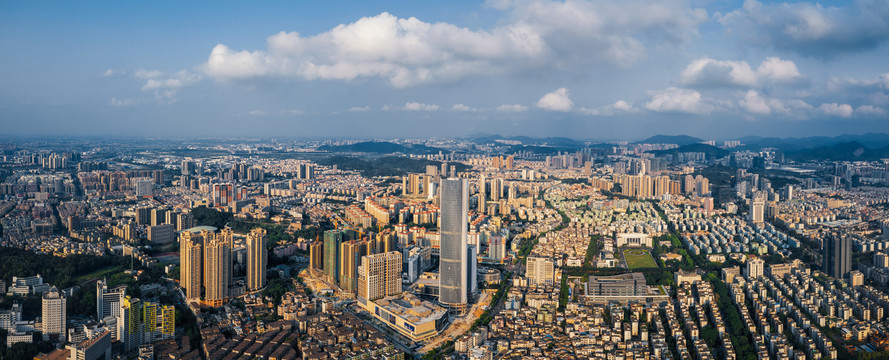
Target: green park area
pixel 639 258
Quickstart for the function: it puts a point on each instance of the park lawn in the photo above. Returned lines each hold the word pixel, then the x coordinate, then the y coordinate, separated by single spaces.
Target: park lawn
pixel 636 261
pixel 105 272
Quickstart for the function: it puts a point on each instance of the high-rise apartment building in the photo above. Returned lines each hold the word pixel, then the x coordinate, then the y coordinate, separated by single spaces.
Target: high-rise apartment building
pixel 453 262
pixel 143 322
pixel 837 256
pixel 379 276
pixel 350 258
pixel 184 221
pixel 190 263
pixel 257 259
pixel 755 268
pixel 316 255
pixel 158 216
pixel 54 314
pixel 217 267
pixel 143 216
pixel 757 211
pixel 540 270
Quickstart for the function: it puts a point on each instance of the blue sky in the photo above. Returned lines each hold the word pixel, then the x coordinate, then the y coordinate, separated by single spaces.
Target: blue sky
pixel 584 69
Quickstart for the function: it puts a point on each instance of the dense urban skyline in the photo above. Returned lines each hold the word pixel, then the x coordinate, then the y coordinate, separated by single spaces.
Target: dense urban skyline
pixel 575 68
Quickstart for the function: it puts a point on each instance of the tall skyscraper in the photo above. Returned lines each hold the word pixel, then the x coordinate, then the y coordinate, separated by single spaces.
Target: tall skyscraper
pixel 350 258
pixel 379 275
pixel 217 267
pixel 108 300
pixel 837 256
pixel 332 241
pixel 257 258
pixel 453 263
pixel 316 255
pixel 482 185
pixel 54 314
pixel 190 264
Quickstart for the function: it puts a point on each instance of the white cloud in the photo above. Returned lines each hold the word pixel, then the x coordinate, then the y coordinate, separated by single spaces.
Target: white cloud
pixel 407 51
pixel 557 100
pixel 869 110
pixel 257 113
pixel 881 82
pixel 415 106
pixel 112 73
pixel 465 108
pixel 166 86
pixel 755 104
pixel 511 108
pixel 674 99
pixel 834 109
pixel 359 109
pixel 810 28
pixel 777 69
pixel 709 72
pixel 124 102
pixel 617 107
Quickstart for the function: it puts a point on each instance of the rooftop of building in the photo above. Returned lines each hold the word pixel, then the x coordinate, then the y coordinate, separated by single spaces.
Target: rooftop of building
pixel 412 308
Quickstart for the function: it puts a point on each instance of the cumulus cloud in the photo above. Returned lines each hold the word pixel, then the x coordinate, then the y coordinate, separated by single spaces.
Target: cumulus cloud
pixel 878 83
pixel 675 99
pixel 511 108
pixel 166 86
pixel 407 51
pixel 834 109
pixel 617 107
pixel 415 106
pixel 777 69
pixel 359 109
pixel 557 100
pixel 869 110
pixel 755 104
pixel 711 72
pixel 810 28
pixel 465 108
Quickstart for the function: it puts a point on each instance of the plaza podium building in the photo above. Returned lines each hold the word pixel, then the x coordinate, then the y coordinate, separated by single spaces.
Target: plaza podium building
pixel 416 319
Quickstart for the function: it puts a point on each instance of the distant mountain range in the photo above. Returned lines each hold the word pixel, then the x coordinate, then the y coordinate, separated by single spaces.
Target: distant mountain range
pixel 381 147
pixel 870 140
pixel 847 151
pixel 710 150
pixel 864 147
pixel 671 139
